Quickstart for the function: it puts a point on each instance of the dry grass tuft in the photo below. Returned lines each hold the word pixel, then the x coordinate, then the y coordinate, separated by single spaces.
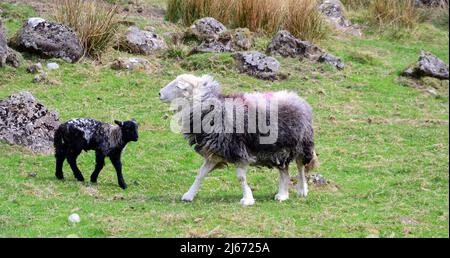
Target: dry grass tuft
pixel 94 21
pixel 394 14
pixel 301 17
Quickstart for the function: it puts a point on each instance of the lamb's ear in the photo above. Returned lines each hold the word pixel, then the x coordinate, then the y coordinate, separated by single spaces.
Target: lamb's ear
pixel 120 124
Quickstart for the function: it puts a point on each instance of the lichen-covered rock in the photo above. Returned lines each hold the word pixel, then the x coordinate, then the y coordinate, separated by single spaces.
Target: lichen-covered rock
pixel 333 10
pixel 317 180
pixel 143 42
pixel 35 68
pixel 132 63
pixel 332 60
pixel 13 58
pixel 24 121
pixel 7 54
pixel 229 41
pixel 49 39
pixel 286 45
pixel 258 65
pixel 428 65
pixel 3 46
pixel 207 28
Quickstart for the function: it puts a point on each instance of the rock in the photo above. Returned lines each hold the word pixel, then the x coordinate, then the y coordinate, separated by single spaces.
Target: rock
pixel 24 121
pixel 32 174
pixel 141 41
pixel 332 60
pixel 428 65
pixel 14 58
pixel 257 65
pixel 49 39
pixel 3 46
pixel 430 3
pixel 334 12
pixel 132 63
pixel 52 66
pixel 40 78
pixel 35 68
pixel 229 41
pixel 74 218
pixel 207 28
pixel 286 45
pixel 317 180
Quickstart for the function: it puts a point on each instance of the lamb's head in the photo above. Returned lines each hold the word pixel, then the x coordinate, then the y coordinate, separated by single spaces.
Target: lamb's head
pixel 129 130
pixel 188 86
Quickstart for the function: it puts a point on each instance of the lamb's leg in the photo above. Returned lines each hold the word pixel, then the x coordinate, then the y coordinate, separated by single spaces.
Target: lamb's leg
pixel 302 184
pixel 115 160
pixel 247 198
pixel 60 156
pixel 72 160
pixel 99 164
pixel 283 189
pixel 207 167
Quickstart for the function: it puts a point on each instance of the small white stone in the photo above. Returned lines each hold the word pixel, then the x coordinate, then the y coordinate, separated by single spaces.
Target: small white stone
pixel 34 21
pixel 74 218
pixel 52 66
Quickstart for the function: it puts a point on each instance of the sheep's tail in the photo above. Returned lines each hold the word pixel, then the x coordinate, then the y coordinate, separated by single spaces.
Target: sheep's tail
pixel 313 164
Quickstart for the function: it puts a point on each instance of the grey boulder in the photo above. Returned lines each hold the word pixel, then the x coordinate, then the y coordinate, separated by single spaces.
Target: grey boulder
pixel 207 28
pixel 7 54
pixel 286 45
pixel 49 39
pixel 333 10
pixel 24 121
pixel 258 65
pixel 230 41
pixel 428 65
pixel 143 42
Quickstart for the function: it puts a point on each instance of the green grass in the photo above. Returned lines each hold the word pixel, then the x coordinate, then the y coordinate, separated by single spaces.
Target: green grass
pixel 392 173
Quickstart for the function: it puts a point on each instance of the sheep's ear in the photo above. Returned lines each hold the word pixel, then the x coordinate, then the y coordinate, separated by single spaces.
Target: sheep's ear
pixel 134 121
pixel 183 85
pixel 120 124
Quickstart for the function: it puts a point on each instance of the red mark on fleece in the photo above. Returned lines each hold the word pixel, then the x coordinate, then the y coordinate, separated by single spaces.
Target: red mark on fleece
pixel 268 95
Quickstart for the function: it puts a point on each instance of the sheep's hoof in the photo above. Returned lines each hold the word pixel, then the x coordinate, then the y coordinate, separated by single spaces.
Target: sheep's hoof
pixel 80 179
pixel 281 197
pixel 60 177
pixel 123 186
pixel 302 191
pixel 247 201
pixel 187 197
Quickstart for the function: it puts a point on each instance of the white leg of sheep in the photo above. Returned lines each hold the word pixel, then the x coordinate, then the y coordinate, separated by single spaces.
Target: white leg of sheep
pixel 247 198
pixel 283 189
pixel 207 167
pixel 302 184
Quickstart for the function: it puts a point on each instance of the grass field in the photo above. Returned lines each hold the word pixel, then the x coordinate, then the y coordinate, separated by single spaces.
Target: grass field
pixel 383 145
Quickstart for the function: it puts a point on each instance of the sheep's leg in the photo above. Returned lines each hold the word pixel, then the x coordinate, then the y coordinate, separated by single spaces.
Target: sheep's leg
pixel 207 167
pixel 283 189
pixel 72 160
pixel 99 164
pixel 247 198
pixel 115 160
pixel 60 156
pixel 302 184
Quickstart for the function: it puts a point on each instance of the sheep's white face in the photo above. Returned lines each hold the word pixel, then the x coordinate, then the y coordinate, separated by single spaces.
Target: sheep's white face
pixel 182 87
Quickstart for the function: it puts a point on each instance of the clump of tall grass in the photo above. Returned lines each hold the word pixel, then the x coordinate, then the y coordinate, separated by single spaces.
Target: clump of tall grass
pixel 394 14
pixel 95 22
pixel 438 14
pixel 356 4
pixel 301 17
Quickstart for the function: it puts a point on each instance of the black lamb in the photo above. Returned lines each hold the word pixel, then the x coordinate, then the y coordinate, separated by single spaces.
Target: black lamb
pixel 107 140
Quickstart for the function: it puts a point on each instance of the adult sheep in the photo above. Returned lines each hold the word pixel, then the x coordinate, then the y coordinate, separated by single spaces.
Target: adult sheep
pixel 76 135
pixel 294 141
